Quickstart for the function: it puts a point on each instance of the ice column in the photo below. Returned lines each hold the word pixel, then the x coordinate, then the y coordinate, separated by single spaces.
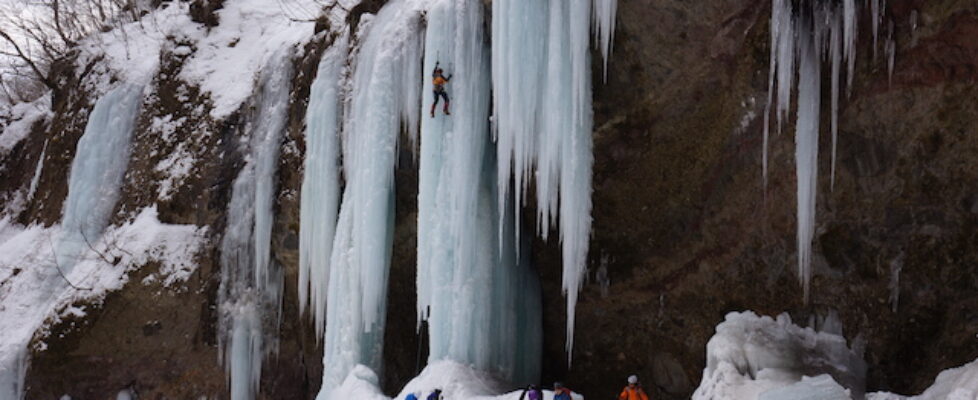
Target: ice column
pixel 543 119
pixel 806 150
pixel 321 183
pixel 482 303
pixel 97 171
pixel 249 298
pixel 100 162
pixel 385 94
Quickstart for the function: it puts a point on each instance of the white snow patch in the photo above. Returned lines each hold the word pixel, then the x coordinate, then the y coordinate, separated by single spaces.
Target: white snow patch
pixel 27 265
pixel 952 384
pixel 175 168
pixel 227 58
pixel 20 118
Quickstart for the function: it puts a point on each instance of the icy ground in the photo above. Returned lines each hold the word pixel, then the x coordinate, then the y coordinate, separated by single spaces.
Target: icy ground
pixel 457 381
pixel 27 263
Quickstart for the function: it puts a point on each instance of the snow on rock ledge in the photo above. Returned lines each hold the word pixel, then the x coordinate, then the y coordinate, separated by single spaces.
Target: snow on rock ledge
pixel 758 357
pixel 26 264
pixel 952 384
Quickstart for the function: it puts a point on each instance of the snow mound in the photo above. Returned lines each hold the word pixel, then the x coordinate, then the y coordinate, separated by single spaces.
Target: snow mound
pixel 953 384
pixel 755 357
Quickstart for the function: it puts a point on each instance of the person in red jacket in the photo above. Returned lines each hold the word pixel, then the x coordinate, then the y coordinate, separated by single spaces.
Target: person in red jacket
pixel 633 391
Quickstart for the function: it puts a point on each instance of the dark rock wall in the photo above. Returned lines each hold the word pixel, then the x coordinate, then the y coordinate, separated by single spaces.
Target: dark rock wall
pixel 690 233
pixel 684 229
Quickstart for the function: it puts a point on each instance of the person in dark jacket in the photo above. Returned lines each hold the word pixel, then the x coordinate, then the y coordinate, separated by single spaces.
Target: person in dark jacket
pixel 531 392
pixel 561 392
pixel 436 395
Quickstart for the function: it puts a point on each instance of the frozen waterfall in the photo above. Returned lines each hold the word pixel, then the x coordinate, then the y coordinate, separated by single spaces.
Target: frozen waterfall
pixel 249 298
pixel 541 73
pixel 482 301
pixel 97 170
pixel 385 94
pixel 321 183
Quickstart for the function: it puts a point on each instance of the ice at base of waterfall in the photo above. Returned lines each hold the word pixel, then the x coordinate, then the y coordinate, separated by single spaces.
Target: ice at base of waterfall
pixel 751 355
pixel 456 381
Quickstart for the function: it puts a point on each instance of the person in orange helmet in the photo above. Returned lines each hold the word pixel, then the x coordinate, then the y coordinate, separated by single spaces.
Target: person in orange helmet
pixel 438 81
pixel 633 391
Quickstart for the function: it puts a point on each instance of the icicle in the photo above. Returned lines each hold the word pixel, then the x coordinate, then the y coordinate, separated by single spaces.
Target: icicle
pixel 575 180
pixel 835 54
pixel 518 68
pixel 604 22
pixel 806 147
pixel 321 183
pixel 249 298
pixel 781 71
pixel 875 14
pixel 543 118
pixel 37 172
pixel 849 34
pixel 896 266
pixel 890 52
pixel 385 94
pixel 913 27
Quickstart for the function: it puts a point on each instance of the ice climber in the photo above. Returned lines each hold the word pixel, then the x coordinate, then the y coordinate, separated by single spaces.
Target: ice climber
pixel 436 395
pixel 633 391
pixel 561 392
pixel 531 392
pixel 439 80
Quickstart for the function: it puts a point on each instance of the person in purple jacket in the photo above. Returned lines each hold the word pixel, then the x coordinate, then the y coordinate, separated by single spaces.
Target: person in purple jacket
pixel 531 392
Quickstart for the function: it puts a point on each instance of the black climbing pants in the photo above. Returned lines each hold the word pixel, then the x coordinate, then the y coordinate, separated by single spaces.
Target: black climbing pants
pixel 440 94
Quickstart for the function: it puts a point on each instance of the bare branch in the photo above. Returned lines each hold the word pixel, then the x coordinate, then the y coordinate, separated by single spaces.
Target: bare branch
pixel 92 248
pixel 58 267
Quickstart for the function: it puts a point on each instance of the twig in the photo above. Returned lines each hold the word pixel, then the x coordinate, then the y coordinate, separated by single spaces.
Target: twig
pixel 100 254
pixel 58 267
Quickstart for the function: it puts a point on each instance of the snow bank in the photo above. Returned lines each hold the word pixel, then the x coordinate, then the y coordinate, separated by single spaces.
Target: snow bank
pixel 224 60
pixel 953 384
pixel 752 357
pixel 21 117
pixel 27 265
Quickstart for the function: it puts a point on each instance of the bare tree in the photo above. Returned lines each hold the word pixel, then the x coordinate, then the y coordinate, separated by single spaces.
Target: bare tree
pixel 35 34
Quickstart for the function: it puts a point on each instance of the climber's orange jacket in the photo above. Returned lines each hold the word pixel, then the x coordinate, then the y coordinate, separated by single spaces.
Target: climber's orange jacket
pixel 439 83
pixel 633 393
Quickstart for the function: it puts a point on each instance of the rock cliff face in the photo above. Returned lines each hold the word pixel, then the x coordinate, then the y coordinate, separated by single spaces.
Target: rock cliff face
pixel 684 229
